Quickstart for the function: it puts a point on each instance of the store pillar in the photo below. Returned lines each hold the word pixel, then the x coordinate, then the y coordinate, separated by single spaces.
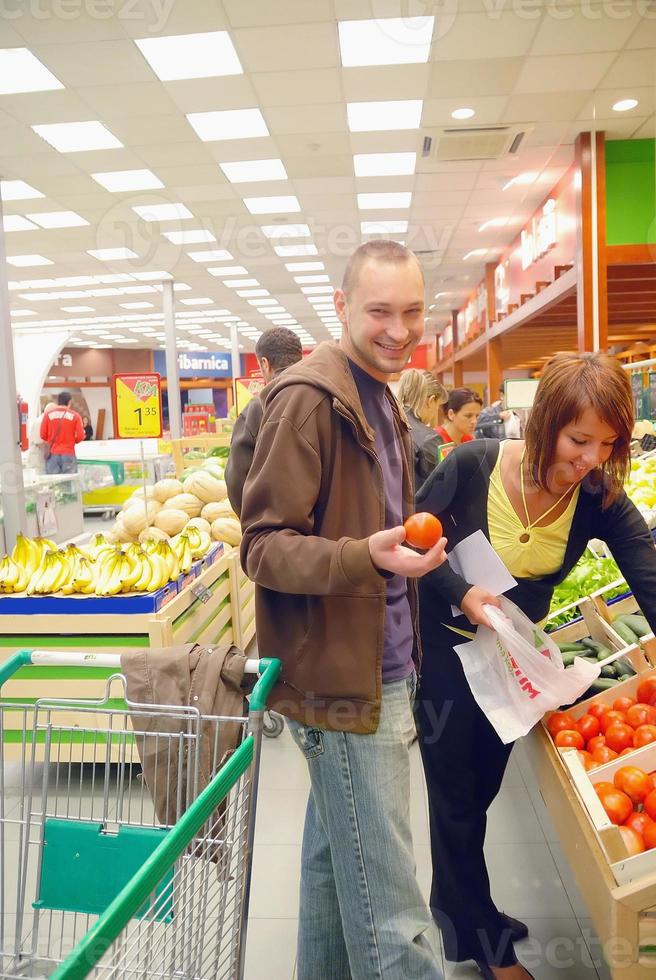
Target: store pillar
pixel 494 356
pixel 172 369
pixel 592 289
pixel 458 374
pixel 11 467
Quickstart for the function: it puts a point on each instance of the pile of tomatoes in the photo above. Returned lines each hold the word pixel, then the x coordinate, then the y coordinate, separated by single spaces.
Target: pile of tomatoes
pixel 606 732
pixel 630 802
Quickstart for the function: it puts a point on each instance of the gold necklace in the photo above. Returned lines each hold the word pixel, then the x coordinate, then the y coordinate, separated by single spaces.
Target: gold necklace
pixel 525 536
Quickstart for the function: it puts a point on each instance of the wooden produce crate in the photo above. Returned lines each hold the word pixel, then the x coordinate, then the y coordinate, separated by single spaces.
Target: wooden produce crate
pixel 594 623
pixel 201 613
pixel 608 609
pixel 205 442
pixel 624 915
pixel 243 601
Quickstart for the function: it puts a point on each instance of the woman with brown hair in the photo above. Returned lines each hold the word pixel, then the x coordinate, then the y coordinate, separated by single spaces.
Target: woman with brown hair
pixel 460 416
pixel 538 502
pixel 421 395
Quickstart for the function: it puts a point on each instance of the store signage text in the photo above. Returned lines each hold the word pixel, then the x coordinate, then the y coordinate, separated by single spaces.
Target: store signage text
pixel 501 288
pixel 476 310
pixel 65 360
pixel 197 364
pixel 540 236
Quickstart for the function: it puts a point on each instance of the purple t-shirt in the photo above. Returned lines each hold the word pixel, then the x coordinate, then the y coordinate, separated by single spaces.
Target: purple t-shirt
pixel 399 635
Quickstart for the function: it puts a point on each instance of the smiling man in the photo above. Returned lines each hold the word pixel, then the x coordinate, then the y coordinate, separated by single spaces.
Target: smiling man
pixel 323 507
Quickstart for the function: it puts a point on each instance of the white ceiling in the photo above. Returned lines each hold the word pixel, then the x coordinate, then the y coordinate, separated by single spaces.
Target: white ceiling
pixel 553 67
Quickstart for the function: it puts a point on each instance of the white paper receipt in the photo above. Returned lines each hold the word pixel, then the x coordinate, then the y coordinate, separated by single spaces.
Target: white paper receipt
pixel 475 560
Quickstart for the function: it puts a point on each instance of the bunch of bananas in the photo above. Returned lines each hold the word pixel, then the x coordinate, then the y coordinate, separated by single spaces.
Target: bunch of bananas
pixel 13 577
pixel 132 570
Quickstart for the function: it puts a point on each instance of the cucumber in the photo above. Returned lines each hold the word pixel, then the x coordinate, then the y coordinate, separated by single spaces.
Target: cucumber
pixel 625 632
pixel 604 652
pixel 593 645
pixel 569 657
pixel 608 671
pixel 635 622
pixel 624 669
pixel 571 647
pixel 603 684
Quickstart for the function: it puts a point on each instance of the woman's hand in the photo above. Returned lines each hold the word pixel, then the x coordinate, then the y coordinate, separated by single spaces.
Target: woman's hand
pixel 472 605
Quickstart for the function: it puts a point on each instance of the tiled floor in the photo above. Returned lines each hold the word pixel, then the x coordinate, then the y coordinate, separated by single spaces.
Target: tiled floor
pixel 530 876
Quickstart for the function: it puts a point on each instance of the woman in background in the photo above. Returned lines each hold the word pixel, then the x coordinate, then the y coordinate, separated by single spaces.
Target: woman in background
pixel 421 395
pixel 461 414
pixel 88 428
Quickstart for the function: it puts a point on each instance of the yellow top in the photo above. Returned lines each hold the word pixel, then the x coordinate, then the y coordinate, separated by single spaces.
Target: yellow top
pixel 544 552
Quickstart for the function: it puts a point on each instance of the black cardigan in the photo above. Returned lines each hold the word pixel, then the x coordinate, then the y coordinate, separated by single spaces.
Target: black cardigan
pixel 457 493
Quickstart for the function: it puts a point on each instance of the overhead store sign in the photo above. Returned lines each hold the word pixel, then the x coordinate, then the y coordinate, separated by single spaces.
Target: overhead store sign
pixel 541 235
pixel 197 364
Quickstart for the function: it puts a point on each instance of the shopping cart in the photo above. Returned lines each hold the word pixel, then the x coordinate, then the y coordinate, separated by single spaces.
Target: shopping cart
pixel 91 883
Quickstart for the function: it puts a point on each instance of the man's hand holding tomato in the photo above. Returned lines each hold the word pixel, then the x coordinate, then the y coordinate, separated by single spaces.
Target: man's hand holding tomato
pixel 423 531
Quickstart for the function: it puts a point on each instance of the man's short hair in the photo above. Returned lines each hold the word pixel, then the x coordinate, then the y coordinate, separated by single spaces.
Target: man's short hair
pixel 380 250
pixel 64 398
pixel 280 346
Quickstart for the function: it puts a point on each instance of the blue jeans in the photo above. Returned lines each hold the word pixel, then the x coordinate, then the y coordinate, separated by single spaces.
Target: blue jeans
pixel 58 463
pixel 362 915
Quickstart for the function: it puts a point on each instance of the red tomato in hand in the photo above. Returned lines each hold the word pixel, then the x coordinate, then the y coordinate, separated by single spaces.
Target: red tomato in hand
pixel 422 530
pixel 649 835
pixel 598 709
pixel 603 754
pixel 644 735
pixel 569 740
pixel 634 782
pixel 641 714
pixel 619 737
pixel 617 805
pixel 560 721
pixel 650 804
pixel 623 704
pixel 639 821
pixel 632 840
pixel 596 743
pixel 588 726
pixel 646 693
pixel 611 718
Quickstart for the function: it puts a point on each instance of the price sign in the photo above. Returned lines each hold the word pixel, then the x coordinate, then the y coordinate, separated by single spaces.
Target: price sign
pixel 137 403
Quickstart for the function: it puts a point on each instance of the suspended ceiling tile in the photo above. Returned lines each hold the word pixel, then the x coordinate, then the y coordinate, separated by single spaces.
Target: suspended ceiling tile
pixel 23 140
pixel 208 175
pixel 644 35
pixel 95 62
pixel 144 130
pixel 284 48
pixel 327 185
pixel 69 24
pixel 260 148
pixel 647 129
pixel 543 107
pixel 437 112
pixel 497 33
pixel 603 27
pixel 378 83
pixel 457 79
pixel 150 18
pixel 210 94
pixel 631 68
pixel 558 74
pixel 431 199
pixel 317 145
pixel 403 141
pixel 318 167
pixel 283 120
pixel 192 153
pixel 600 105
pixel 619 127
pixel 141 99
pixel 459 181
pixel 35 108
pixel 287 88
pixel 100 161
pixel 254 13
pixel 548 135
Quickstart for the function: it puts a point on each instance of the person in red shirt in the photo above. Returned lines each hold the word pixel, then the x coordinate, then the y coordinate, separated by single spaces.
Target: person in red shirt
pixel 61 429
pixel 461 414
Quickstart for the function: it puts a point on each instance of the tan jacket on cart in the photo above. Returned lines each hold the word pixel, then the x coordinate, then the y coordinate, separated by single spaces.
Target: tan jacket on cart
pixel 207 678
pixel 313 496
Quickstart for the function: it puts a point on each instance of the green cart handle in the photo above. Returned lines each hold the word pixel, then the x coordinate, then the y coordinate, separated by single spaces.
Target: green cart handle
pixel 22 658
pixel 269 673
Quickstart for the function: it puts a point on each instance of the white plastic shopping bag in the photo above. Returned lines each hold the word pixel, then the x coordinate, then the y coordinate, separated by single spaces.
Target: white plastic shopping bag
pixel 516 672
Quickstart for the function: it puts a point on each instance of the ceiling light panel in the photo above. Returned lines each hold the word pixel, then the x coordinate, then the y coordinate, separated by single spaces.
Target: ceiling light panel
pixel 78 137
pixel 304 266
pixel 195 237
pixel 383 227
pixel 128 180
pixel 28 260
pixel 364 117
pixel 385 41
pixel 77 309
pixel 253 292
pixel 236 283
pixel 286 231
pixel 311 279
pixel 199 301
pixel 21 71
pixel 384 164
pixel 58 219
pixel 249 171
pixel 18 190
pixel 23 312
pixel 16 222
pixel 285 251
pixel 228 270
pixel 112 254
pixel 228 124
pixel 162 212
pixel 211 255
pixel 315 290
pixel 136 306
pixel 285 204
pixel 206 55
pixel 382 202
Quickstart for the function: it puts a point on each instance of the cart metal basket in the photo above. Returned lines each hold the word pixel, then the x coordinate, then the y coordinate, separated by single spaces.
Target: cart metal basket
pixel 91 882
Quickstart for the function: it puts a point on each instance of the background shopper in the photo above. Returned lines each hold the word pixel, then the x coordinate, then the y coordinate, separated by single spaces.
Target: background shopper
pixel 61 429
pixel 461 414
pixel 330 484
pixel 421 395
pixel 538 502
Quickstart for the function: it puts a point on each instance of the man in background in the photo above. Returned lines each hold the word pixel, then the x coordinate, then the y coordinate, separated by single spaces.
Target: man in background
pixel 276 350
pixel 61 429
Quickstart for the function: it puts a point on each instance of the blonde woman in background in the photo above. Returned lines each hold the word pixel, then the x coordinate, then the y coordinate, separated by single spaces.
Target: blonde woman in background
pixel 421 395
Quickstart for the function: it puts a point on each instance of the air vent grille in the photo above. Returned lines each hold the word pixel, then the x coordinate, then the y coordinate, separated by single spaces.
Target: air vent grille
pixel 471 143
